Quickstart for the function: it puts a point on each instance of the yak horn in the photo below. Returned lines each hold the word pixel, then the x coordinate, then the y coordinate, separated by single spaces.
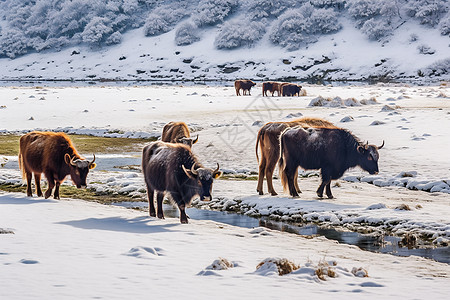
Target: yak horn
pixel 90 163
pixel 195 141
pixel 216 170
pixel 381 145
pixel 72 161
pixel 193 170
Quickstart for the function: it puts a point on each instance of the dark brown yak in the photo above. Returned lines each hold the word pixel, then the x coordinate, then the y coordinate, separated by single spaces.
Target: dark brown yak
pixel 269 140
pixel 53 154
pixel 290 89
pixel 177 132
pixel 332 150
pixel 271 86
pixel 174 169
pixel 244 85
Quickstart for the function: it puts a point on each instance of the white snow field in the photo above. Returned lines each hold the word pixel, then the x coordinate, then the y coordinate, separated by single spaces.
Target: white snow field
pixel 72 249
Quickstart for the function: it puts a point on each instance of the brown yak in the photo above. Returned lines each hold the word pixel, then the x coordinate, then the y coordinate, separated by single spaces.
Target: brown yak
pixel 272 87
pixel 244 85
pixel 177 132
pixel 269 141
pixel 53 154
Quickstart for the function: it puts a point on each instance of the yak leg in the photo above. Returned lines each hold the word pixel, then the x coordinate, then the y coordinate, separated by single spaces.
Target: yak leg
pixel 322 186
pixel 51 184
pixel 179 200
pixel 290 175
pixel 237 92
pixel 151 198
pixel 37 180
pixel 159 202
pixel 326 179
pixel 29 177
pixel 296 182
pixel 328 190
pixel 183 216
pixel 262 172
pixel 56 194
pixel 269 176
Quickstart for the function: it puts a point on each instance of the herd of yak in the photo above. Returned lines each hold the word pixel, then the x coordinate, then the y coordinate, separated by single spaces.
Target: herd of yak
pixel 171 168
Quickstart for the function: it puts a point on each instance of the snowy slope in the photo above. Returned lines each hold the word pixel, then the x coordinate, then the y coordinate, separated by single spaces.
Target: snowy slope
pixel 347 54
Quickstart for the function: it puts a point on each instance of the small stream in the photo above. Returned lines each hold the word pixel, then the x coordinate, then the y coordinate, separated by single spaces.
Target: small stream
pixel 388 245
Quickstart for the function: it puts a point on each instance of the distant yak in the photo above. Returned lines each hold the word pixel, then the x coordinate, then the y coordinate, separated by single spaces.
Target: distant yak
pixel 244 85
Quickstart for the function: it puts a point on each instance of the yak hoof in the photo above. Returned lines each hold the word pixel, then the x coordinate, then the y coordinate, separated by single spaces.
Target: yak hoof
pixel 184 221
pixel 330 196
pixel 319 195
pixel 161 216
pixel 152 214
pixel 274 193
pixel 260 192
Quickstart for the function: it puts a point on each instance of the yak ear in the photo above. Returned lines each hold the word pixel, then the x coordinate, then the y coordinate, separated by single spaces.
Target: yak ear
pixel 189 173
pixel 67 159
pixel 217 174
pixel 92 166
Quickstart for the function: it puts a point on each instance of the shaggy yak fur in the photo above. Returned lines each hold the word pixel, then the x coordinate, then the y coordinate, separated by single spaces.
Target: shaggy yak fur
pixel 175 170
pixel 269 141
pixel 53 154
pixel 177 132
pixel 332 150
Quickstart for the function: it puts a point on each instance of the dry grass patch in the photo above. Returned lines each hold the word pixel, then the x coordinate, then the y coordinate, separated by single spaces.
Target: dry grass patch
pixel 324 269
pixel 220 264
pixel 284 265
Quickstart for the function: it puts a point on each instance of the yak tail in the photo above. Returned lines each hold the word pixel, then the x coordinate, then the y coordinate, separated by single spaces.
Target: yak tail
pixel 258 137
pixel 21 164
pixel 282 162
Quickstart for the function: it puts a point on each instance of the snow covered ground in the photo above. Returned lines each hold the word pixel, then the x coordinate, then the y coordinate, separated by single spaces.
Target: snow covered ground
pixel 76 249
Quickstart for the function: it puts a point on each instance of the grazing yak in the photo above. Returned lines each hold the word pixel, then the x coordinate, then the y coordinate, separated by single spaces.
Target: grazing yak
pixel 271 86
pixel 53 154
pixel 332 150
pixel 268 139
pixel 174 169
pixel 177 132
pixel 290 89
pixel 244 85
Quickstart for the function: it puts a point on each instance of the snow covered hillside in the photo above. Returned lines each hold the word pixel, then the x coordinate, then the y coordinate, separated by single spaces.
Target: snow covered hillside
pixel 317 40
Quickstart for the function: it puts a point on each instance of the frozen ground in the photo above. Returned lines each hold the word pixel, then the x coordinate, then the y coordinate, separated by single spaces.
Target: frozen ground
pixel 414 170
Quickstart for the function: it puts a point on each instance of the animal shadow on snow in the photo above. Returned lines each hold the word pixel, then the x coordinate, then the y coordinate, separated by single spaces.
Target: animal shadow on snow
pixel 133 225
pixel 19 199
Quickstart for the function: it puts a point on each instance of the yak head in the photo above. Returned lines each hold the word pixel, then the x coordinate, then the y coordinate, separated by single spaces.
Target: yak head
pixel 368 157
pixel 204 178
pixel 187 141
pixel 79 168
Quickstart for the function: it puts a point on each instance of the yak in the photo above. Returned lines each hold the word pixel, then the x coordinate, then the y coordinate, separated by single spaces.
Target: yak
pixel 53 154
pixel 290 89
pixel 244 85
pixel 332 150
pixel 272 87
pixel 174 170
pixel 268 139
pixel 177 132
